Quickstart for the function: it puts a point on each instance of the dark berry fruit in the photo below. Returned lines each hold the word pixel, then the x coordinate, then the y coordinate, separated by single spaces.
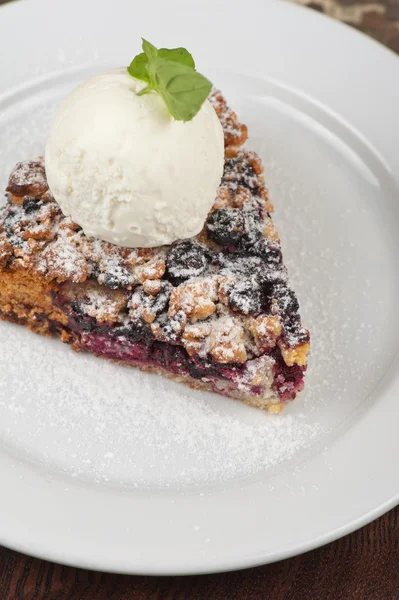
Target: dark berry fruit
pixel 94 268
pixel 118 279
pixel 159 303
pixel 267 250
pixel 77 307
pixel 241 172
pixel 294 333
pixel 9 221
pixel 225 226
pixel 199 368
pixel 135 331
pixel 272 276
pixel 82 320
pixel 286 300
pixel 170 356
pixel 161 300
pixel 110 281
pixel 246 296
pixel 172 329
pixel 248 177
pixel 186 259
pixel 31 205
pixel 253 228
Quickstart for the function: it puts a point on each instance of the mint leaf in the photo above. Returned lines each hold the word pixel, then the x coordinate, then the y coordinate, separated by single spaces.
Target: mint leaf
pixel 171 73
pixel 183 89
pixel 149 49
pixel 138 67
pixel 180 55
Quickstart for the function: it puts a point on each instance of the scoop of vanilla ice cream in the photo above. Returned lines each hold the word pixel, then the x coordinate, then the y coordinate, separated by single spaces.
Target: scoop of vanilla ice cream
pixel 122 168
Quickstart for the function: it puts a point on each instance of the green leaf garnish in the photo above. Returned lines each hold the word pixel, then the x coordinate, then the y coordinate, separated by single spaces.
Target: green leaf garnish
pixel 138 67
pixel 171 73
pixel 180 55
pixel 183 89
pixel 149 49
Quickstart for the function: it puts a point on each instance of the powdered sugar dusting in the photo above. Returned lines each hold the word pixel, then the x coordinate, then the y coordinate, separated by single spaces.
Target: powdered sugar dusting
pixel 26 173
pixel 102 421
pixel 235 133
pixel 98 420
pixel 238 270
pixel 336 235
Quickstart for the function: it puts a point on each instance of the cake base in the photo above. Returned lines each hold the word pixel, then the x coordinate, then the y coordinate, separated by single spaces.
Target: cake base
pixel 32 306
pixel 215 311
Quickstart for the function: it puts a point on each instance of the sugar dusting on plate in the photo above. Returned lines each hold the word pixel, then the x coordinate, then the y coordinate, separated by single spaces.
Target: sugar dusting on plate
pixel 103 422
pixel 106 422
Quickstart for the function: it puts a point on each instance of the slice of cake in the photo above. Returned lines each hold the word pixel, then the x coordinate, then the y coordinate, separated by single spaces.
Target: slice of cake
pixel 214 311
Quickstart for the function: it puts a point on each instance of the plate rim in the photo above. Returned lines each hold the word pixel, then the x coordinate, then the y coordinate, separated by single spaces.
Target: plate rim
pixel 239 563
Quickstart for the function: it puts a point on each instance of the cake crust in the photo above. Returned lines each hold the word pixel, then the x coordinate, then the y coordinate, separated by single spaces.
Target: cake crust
pixel 215 311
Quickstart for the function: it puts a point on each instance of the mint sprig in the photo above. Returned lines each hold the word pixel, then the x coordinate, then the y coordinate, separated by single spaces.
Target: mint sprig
pixel 171 73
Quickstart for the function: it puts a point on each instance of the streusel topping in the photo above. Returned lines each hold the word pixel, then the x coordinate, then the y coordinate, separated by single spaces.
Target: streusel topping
pixel 223 294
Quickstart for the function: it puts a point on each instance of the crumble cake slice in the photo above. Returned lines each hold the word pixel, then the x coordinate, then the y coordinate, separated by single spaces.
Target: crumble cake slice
pixel 215 311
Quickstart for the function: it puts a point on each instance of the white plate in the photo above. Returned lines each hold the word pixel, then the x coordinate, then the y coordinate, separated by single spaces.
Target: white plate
pixel 107 468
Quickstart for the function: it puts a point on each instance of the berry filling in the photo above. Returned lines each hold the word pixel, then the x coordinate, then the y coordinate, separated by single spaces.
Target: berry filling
pixel 215 311
pixel 134 344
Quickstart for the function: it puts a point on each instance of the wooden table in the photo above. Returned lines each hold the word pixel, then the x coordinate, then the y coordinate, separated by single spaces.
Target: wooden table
pixel 361 566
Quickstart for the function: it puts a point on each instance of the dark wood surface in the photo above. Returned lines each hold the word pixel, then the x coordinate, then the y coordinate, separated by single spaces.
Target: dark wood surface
pixel 360 566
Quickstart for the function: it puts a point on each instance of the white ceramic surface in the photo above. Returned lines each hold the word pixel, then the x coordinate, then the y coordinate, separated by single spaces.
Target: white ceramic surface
pixel 107 468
